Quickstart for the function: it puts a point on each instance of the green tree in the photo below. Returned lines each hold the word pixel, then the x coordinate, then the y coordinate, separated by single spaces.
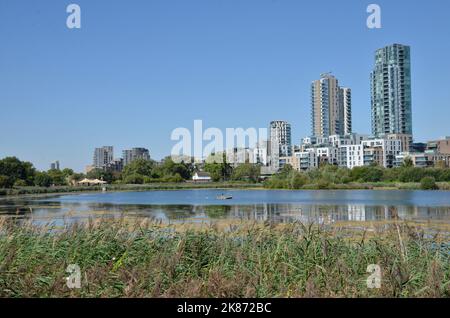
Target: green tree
pixel 407 162
pixel 67 172
pixel 5 182
pixel 297 180
pixel 58 177
pixel 133 179
pixel 140 166
pixel 170 168
pixel 428 183
pixel 42 179
pixel 14 169
pixel 101 175
pixel 247 172
pixel 215 171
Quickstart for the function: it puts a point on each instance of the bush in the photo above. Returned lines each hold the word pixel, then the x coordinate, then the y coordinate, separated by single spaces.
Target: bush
pixel 5 182
pixel 20 183
pixel 428 183
pixel 134 179
pixel 323 184
pixel 297 180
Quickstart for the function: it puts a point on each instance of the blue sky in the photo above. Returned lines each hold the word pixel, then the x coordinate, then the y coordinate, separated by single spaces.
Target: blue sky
pixel 138 69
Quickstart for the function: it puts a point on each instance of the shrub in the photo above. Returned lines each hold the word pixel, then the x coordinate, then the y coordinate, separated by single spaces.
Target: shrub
pixel 134 179
pixel 323 184
pixel 297 180
pixel 5 182
pixel 20 183
pixel 428 183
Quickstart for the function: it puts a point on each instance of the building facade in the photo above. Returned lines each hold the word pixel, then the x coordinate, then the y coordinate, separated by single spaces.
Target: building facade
pixel 135 153
pixel 391 91
pixel 103 156
pixel 330 107
pixel 280 142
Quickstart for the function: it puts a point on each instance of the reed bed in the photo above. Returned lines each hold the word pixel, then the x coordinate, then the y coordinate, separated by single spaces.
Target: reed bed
pixel 142 258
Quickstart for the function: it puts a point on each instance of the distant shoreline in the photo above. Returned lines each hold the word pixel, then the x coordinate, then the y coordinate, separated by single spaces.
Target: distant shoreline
pixel 38 191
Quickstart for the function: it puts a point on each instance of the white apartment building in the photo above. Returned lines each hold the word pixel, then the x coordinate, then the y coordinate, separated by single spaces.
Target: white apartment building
pixel 351 156
pixel 326 154
pixel 390 149
pixel 280 142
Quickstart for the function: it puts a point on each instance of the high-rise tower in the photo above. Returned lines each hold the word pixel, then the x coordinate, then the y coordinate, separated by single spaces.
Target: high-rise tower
pixel 330 107
pixel 391 91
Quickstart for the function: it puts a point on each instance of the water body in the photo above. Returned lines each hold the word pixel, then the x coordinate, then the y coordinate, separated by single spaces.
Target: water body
pixel 202 205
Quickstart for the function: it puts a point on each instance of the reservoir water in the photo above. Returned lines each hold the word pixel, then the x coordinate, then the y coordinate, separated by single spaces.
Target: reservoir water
pixel 203 205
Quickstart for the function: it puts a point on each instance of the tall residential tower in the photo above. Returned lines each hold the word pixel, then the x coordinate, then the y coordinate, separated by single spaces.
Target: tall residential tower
pixel 280 141
pixel 391 91
pixel 330 107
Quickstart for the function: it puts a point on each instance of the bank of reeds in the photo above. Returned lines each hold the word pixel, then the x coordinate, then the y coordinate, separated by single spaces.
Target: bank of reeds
pixel 123 258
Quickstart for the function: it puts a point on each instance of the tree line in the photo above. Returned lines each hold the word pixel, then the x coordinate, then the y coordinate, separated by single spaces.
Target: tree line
pixel 328 175
pixel 17 173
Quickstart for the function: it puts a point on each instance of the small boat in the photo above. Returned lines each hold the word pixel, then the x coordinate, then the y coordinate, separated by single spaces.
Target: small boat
pixel 224 197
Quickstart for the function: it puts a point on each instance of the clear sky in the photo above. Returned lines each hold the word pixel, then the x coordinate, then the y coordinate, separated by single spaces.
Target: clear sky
pixel 138 69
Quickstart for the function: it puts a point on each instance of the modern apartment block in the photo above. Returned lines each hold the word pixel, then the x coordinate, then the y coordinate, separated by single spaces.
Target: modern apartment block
pixel 103 156
pixel 441 146
pixel 330 107
pixel 389 149
pixel 353 150
pixel 133 154
pixel 280 142
pixel 391 91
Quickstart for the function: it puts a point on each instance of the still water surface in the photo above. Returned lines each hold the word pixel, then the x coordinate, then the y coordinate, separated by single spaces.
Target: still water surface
pixel 202 205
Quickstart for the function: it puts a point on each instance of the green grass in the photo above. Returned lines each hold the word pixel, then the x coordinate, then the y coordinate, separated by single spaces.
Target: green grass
pixel 123 258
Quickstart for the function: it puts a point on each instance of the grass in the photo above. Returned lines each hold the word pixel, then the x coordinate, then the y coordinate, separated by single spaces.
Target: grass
pixel 131 258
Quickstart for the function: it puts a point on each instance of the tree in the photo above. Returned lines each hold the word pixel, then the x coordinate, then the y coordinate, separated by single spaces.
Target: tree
pixel 139 166
pixel 5 182
pixel 215 171
pixel 219 171
pixel 67 172
pixel 58 177
pixel 297 180
pixel 14 169
pixel 247 171
pixel 42 179
pixel 428 183
pixel 407 162
pixel 101 175
pixel 170 168
pixel 133 179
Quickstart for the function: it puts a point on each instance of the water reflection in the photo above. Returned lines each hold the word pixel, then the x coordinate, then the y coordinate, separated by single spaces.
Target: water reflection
pixel 54 211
